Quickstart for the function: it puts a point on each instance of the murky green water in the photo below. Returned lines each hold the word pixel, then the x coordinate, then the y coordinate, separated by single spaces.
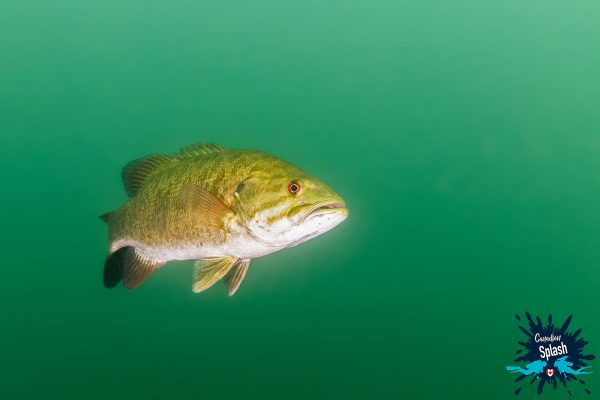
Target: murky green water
pixel 465 137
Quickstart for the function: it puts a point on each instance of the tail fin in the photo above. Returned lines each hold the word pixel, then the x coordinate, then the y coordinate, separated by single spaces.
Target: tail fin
pixel 113 267
pixel 105 217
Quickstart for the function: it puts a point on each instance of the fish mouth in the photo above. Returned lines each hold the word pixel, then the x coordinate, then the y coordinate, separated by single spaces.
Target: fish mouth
pixel 326 207
pixel 302 213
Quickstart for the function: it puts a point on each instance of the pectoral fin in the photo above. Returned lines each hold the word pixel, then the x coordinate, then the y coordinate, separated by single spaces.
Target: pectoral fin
pixel 236 275
pixel 209 271
pixel 197 200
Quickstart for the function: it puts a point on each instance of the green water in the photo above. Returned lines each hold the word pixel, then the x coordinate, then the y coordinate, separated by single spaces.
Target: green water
pixel 464 136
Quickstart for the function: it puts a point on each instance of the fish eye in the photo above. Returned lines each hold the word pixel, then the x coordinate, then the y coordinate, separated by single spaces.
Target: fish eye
pixel 294 188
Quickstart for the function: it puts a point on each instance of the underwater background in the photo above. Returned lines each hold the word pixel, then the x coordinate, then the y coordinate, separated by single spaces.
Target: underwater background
pixel 464 137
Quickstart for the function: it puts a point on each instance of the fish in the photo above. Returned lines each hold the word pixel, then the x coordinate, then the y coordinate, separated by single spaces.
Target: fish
pixel 218 206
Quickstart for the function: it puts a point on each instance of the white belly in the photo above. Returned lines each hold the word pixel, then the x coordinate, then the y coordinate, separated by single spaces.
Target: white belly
pixel 237 245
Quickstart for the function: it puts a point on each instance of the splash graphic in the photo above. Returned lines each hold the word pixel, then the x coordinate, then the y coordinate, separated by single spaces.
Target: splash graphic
pixel 552 356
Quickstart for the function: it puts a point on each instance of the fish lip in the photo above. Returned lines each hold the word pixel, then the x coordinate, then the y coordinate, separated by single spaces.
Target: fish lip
pixel 326 207
pixel 308 211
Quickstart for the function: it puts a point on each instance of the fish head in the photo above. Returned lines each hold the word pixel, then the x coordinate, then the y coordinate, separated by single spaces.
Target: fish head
pixel 285 206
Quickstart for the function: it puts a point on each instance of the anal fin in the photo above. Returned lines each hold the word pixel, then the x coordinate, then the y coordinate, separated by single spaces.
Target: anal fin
pixel 137 269
pixel 209 271
pixel 127 264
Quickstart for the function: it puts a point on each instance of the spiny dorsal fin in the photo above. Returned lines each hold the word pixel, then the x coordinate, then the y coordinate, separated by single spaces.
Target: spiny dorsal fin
pixel 199 201
pixel 199 149
pixel 137 172
pixel 209 271
pixel 236 275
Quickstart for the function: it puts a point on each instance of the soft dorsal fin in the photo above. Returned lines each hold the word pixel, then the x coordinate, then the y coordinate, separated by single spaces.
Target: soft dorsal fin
pixel 137 172
pixel 199 149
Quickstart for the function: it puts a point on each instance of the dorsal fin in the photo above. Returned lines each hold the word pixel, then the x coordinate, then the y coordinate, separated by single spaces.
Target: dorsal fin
pixel 199 149
pixel 137 172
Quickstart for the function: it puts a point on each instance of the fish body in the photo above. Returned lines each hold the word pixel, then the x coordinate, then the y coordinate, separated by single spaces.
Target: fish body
pixel 219 206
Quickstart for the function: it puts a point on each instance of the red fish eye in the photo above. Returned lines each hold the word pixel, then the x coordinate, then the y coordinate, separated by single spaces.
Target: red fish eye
pixel 294 187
